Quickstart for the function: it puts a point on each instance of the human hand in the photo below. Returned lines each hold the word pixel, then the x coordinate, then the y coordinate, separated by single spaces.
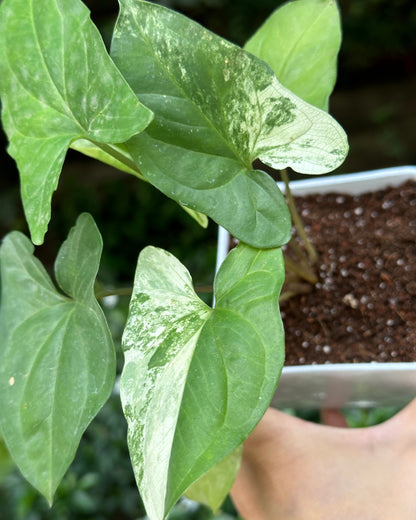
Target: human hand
pixel 297 470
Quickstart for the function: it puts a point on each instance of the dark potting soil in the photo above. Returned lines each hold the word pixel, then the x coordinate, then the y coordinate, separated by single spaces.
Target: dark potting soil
pixel 363 307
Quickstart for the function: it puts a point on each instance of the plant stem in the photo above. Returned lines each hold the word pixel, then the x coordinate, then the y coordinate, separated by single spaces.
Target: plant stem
pixel 127 291
pixel 298 269
pixel 204 289
pixel 124 159
pixel 287 295
pixel 123 291
pixel 298 251
pixel 313 255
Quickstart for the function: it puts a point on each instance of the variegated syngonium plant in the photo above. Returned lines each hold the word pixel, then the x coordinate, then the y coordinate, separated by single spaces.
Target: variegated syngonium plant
pixel 188 112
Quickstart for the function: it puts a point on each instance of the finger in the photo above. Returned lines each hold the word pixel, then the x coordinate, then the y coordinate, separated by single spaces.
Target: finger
pixel 333 417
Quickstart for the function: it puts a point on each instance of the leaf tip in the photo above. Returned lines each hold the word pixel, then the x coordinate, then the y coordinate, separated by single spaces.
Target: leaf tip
pixel 37 231
pixel 37 239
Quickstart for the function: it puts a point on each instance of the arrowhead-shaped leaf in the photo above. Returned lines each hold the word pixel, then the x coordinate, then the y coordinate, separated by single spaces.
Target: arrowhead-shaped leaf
pixel 217 108
pixel 57 360
pixel 301 41
pixel 57 84
pixel 196 380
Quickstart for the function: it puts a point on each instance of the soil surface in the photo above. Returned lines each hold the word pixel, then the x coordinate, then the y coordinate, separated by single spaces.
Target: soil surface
pixel 363 307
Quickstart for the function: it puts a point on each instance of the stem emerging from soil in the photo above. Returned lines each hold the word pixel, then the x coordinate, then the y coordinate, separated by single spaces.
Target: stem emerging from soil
pixel 313 255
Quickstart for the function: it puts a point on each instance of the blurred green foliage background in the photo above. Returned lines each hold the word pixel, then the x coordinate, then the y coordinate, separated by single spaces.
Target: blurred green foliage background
pixel 374 101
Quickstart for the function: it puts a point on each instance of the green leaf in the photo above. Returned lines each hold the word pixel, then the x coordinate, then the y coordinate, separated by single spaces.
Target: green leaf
pixel 57 84
pixel 57 359
pixel 218 108
pixel 196 380
pixel 212 488
pixel 301 41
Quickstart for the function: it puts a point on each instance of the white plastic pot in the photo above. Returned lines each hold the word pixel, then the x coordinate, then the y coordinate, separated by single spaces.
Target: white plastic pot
pixel 349 384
